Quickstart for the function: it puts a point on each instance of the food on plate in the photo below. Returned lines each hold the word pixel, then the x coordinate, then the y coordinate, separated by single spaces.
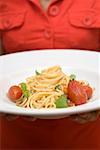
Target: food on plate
pixel 78 93
pixel 50 88
pixel 15 92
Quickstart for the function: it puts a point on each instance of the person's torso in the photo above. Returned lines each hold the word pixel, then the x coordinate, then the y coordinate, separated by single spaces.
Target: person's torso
pixel 67 24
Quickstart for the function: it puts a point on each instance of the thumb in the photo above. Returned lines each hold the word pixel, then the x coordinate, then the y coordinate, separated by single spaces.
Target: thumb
pixel 9 117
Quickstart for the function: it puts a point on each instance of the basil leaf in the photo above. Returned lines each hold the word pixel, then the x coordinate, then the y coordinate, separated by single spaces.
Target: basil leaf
pixel 61 102
pixel 72 77
pixel 37 73
pixel 26 94
pixel 23 86
pixel 58 87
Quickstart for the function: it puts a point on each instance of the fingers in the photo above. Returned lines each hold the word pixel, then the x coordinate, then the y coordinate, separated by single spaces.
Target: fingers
pixel 11 117
pixel 79 120
pixel 85 118
pixel 2 114
pixel 29 118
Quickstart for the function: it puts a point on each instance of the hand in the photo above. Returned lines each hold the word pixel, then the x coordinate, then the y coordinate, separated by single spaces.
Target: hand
pixel 10 117
pixel 86 117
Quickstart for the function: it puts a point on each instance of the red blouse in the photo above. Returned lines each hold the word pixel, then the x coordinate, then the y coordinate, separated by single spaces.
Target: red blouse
pixel 65 24
pixel 68 24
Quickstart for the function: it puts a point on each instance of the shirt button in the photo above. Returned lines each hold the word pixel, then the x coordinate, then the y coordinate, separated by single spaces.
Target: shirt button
pixel 87 21
pixel 6 24
pixel 47 33
pixel 53 11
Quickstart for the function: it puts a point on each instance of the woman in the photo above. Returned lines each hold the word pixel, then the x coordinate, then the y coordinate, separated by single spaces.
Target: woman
pixel 50 24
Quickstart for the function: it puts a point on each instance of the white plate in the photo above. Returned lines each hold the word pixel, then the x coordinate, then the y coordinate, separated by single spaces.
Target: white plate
pixel 14 68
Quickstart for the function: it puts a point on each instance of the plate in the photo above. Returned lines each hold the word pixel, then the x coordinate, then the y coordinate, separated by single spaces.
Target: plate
pixel 14 68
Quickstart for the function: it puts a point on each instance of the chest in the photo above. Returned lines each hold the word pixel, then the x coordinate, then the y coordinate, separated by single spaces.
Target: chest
pixel 61 26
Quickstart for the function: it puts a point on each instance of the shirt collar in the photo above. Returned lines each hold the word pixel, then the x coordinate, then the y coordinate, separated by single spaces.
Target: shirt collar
pixel 37 1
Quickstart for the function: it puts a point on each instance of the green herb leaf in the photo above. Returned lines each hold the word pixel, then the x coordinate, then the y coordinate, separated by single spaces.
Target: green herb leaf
pixel 37 73
pixel 26 94
pixel 72 77
pixel 23 86
pixel 58 87
pixel 61 102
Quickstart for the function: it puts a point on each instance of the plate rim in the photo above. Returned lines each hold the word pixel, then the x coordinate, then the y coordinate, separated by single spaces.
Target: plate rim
pixel 48 51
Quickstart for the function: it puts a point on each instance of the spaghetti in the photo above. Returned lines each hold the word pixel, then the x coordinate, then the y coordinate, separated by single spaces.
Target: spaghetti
pixel 50 89
pixel 43 88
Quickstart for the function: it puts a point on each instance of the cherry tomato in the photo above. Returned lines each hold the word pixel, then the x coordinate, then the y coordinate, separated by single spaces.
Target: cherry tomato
pixel 14 93
pixel 76 93
pixel 88 90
